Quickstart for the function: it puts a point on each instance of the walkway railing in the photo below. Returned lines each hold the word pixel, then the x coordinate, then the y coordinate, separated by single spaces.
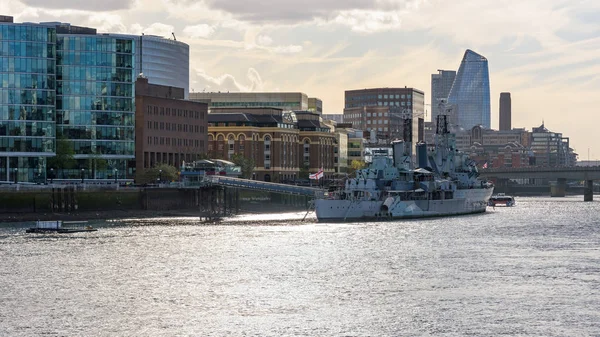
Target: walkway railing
pixel 263 186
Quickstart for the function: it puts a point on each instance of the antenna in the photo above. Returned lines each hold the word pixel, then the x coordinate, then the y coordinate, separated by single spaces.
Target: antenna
pixel 174 38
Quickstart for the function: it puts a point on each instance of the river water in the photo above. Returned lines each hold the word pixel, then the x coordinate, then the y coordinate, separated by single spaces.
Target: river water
pixel 529 270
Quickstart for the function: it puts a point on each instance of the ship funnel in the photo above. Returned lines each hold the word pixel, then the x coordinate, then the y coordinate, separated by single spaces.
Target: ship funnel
pixel 401 152
pixel 422 155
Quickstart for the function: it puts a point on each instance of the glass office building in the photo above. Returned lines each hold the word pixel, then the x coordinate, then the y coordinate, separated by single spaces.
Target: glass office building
pixel 469 98
pixel 27 100
pixel 95 104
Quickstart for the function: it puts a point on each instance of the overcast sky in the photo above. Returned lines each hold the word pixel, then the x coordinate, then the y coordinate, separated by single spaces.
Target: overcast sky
pixel 545 52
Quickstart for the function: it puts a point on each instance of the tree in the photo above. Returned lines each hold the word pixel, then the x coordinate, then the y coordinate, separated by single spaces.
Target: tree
pixel 356 165
pixel 151 175
pixel 246 164
pixel 96 163
pixel 304 173
pixel 64 154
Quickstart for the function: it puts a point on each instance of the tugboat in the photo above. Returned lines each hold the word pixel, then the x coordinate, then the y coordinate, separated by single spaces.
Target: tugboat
pixel 445 183
pixel 501 199
pixel 45 227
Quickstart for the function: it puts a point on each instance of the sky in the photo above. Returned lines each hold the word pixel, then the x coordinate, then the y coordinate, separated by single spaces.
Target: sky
pixel 546 53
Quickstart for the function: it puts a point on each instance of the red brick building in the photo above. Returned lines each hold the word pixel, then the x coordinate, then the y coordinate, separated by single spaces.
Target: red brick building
pixel 168 129
pixel 280 143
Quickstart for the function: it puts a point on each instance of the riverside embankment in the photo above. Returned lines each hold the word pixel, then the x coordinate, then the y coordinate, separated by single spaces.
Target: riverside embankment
pixel 89 203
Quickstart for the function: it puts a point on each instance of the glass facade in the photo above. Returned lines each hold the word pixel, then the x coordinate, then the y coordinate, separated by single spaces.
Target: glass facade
pixel 469 98
pixel 95 104
pixel 27 100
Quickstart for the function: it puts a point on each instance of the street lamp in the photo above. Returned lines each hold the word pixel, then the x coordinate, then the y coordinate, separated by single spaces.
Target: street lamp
pixel 159 176
pixel 82 173
pixel 51 175
pixel 116 175
pixel 16 175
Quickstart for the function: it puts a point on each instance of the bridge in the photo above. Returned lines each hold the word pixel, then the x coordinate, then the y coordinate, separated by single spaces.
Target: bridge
pixel 558 174
pixel 262 186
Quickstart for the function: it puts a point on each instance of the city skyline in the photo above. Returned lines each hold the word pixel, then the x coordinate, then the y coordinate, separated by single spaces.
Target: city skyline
pixel 543 52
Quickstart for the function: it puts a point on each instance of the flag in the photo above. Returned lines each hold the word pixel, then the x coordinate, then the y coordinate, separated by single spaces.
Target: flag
pixel 317 175
pixel 484 165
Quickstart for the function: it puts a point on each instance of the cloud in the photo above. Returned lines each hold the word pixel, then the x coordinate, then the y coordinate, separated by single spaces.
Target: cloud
pixel 368 21
pixel 96 6
pixel 291 12
pixel 226 82
pixel 291 49
pixel 159 29
pixel 199 31
pixel 264 40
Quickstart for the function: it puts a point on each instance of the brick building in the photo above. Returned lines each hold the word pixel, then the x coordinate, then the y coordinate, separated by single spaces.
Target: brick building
pixel 168 129
pixel 280 143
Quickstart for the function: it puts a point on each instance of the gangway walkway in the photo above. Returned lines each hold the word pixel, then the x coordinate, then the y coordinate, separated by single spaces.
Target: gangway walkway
pixel 263 186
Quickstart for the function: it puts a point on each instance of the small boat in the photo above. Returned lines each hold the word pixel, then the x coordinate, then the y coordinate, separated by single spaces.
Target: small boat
pixel 61 227
pixel 501 199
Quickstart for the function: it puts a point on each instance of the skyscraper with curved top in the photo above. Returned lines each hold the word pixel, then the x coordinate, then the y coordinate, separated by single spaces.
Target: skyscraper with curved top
pixel 469 98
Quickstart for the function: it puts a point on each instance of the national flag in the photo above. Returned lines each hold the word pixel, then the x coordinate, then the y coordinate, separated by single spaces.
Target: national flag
pixel 485 165
pixel 317 175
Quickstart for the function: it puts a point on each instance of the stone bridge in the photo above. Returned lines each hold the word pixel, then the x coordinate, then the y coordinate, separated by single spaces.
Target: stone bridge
pixel 558 174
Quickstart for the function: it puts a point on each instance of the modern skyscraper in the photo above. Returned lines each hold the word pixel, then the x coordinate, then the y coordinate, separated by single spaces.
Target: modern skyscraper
pixel 505 111
pixel 27 99
pixel 469 98
pixel 162 61
pixel 95 108
pixel 441 83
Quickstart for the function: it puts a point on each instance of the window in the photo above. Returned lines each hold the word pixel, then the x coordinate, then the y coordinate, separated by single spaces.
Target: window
pixel 241 139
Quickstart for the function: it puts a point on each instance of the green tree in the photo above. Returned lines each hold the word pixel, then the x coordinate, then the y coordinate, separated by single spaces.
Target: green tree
pixel 246 164
pixel 64 154
pixel 151 175
pixel 304 173
pixel 96 163
pixel 356 165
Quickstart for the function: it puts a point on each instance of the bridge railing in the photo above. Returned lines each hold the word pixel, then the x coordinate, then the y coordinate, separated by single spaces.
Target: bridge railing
pixel 264 186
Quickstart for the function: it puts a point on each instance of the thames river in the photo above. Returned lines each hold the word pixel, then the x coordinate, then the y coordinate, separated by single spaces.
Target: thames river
pixel 529 270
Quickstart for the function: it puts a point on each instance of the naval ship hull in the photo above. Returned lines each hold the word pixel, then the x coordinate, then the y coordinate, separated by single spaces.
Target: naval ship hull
pixel 465 201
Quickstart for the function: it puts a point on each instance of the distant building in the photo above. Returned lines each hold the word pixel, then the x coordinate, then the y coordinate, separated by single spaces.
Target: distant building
pixel 356 146
pixel 505 112
pixel 286 101
pixel 441 83
pixel 469 98
pixel 338 118
pixel 551 148
pixel 315 105
pixel 497 148
pixel 169 130
pixel 389 112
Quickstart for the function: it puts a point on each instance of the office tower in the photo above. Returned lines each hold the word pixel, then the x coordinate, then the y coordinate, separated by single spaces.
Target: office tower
pixel 441 83
pixel 469 98
pixel 162 61
pixel 505 111
pixel 27 99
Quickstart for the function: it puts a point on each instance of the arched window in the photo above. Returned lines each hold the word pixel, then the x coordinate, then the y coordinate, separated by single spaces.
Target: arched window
pixel 220 142
pixel 267 147
pixel 230 146
pixel 241 139
pixel 306 152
